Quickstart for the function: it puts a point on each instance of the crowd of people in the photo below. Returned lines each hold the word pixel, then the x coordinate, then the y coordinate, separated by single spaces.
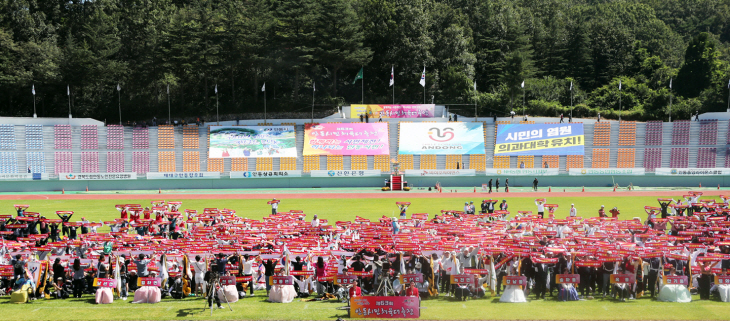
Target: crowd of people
pixel 680 248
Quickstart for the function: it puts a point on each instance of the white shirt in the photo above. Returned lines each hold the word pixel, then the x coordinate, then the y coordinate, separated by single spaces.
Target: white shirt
pixel 315 222
pixel 274 205
pixel 573 212
pixel 198 267
pixel 248 267
pixel 540 207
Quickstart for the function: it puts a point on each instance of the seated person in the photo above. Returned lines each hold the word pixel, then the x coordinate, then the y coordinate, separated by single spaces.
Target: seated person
pixel 60 289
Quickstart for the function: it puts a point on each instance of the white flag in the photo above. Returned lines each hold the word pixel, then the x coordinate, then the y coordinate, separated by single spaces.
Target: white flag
pixel 216 88
pixel 670 83
pixel 119 87
pixel 32 89
pixel 68 91
pixel 523 84
pixel 263 88
pixel 314 88
pixel 571 86
pixel 168 89
pixel 475 85
pixel 728 84
pixel 392 79
pixel 423 77
pixel 619 84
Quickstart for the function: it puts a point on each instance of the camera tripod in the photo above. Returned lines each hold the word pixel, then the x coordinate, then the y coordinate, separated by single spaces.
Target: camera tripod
pixel 215 283
pixel 385 286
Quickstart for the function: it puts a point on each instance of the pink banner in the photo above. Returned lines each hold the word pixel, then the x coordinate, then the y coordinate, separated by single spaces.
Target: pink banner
pixel 346 139
pixel 393 111
pixel 384 307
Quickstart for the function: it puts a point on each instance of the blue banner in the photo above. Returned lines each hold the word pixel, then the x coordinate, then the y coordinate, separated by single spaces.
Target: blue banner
pixel 539 139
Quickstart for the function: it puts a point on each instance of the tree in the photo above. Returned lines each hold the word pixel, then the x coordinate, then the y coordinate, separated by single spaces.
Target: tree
pixel 699 59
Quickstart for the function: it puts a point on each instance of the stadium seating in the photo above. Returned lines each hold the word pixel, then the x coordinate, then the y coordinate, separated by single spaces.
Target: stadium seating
pixel 600 157
pixel 679 157
pixel 528 160
pixel 381 162
pixel 334 163
pixel 63 162
pixel 311 163
pixel 216 165
pixel 406 161
pixel 652 158
pixel 33 137
pixel 553 161
pixel 453 161
pixel 115 162
pixel 140 138
pixel 708 132
pixel 527 121
pixel 89 137
pixel 62 136
pixel 141 162
pixel 706 157
pixel 191 138
pixel 358 162
pixel 627 133
pixel 8 162
pixel 501 162
pixel 626 158
pixel 114 137
pixel 239 164
pixel 264 124
pixel 653 134
pixel 477 162
pixel 165 137
pixel 428 162
pixel 290 164
pixel 166 162
pixel 36 161
pixel 574 161
pixel 89 162
pixel 727 157
pixel 680 132
pixel 264 164
pixel 602 134
pixel 7 137
pixel 191 161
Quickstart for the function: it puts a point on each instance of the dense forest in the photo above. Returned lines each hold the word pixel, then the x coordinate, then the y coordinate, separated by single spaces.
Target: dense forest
pixel 77 51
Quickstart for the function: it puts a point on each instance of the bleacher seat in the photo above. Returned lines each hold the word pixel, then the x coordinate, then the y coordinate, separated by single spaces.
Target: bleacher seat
pixel 311 163
pixel 573 161
pixel 453 162
pixel 141 138
pixel 89 137
pixel 358 162
pixel 165 137
pixel 627 133
pixel 381 162
pixel 501 162
pixel 166 162
pixel 216 165
pixel 89 162
pixel 706 157
pixel 529 161
pixel 239 164
pixel 406 161
pixel 8 162
pixel 62 136
pixel 679 157
pixel 334 162
pixel 602 134
pixel 63 162
pixel 7 137
pixel 114 137
pixel 626 158
pixel 652 159
pixel 191 161
pixel 289 164
pixel 190 137
pixel 36 160
pixel 708 132
pixel 141 162
pixel 478 162
pixel 680 132
pixel 115 162
pixel 653 135
pixel 264 164
pixel 33 137
pixel 428 162
pixel 727 157
pixel 600 158
pixel 553 161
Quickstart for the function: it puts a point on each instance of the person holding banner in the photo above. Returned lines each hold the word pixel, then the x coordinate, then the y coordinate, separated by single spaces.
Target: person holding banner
pixel 79 278
pixel 513 293
pixel 673 292
pixel 274 206
pixel 199 267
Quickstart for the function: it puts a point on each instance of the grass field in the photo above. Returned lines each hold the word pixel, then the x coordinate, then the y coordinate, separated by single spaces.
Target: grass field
pixel 347 209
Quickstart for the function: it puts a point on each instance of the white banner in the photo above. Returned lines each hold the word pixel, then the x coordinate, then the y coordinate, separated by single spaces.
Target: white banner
pixel 441 172
pixel 96 176
pixel 266 174
pixel 606 171
pixel 522 171
pixel 692 171
pixel 24 177
pixel 184 175
pixel 351 173
pixel 441 138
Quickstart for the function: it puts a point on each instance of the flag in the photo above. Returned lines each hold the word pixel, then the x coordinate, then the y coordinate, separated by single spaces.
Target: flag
pixel 392 79
pixel 358 76
pixel 728 84
pixel 571 86
pixel 68 91
pixel 523 84
pixel 216 88
pixel 475 85
pixel 314 88
pixel 32 89
pixel 263 88
pixel 619 84
pixel 423 77
pixel 119 87
pixel 670 83
pixel 168 89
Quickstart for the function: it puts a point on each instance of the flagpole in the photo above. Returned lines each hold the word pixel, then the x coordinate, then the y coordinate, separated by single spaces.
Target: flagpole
pixel 362 100
pixel 313 90
pixel 670 101
pixel 68 93
pixel 119 101
pixel 264 103
pixel 217 119
pixel 169 115
pixel 424 84
pixel 475 100
pixel 523 100
pixel 571 100
pixel 620 108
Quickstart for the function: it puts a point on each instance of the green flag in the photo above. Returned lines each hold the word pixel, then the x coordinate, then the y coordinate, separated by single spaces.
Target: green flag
pixel 359 76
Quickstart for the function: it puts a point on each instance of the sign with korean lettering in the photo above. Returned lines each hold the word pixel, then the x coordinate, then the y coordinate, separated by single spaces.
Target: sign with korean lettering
pixel 623 278
pixel 346 139
pixel 24 177
pixel 408 278
pixel 722 279
pixel 96 176
pixel 252 141
pixel 514 280
pixel 539 139
pixel 567 278
pixel 149 282
pixel 522 171
pixel 692 171
pixel 441 138
pixel 677 280
pixel 282 280
pixel 440 172
pixel 105 283
pixel 266 174
pixel 462 279
pixel 184 175
pixel 393 111
pixel 385 307
pixel 346 173
pixel 227 280
pixel 607 171
pixel 343 279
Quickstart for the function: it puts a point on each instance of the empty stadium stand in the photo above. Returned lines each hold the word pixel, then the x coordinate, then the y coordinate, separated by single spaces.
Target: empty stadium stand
pixel 406 161
pixel 708 132
pixel 165 137
pixel 191 161
pixel 239 164
pixel 216 165
pixel 653 133
pixel 477 162
pixel 89 162
pixel 706 157
pixel 140 162
pixel 334 162
pixel 627 133
pixel 311 163
pixel 527 160
pixel 652 159
pixel 190 137
pixel 264 164
pixel 63 162
pixel 453 162
pixel 62 136
pixel 35 162
pixel 89 137
pixel 679 157
pixel 381 162
pixel 141 138
pixel 290 164
pixel 501 162
pixel 114 137
pixel 680 132
pixel 553 161
pixel 626 158
pixel 166 162
pixel 602 134
pixel 600 157
pixel 7 137
pixel 33 137
pixel 427 162
pixel 8 163
pixel 115 162
pixel 573 161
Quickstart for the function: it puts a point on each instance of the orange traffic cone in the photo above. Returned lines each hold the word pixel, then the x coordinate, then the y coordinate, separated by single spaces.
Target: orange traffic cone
pixel 550 189
pixel 718 186
pixel 159 191
pixel 63 191
pixel 475 189
pixel 563 190
pixel 700 185
pixel 614 188
pixel 506 189
pixel 87 188
pixel 584 189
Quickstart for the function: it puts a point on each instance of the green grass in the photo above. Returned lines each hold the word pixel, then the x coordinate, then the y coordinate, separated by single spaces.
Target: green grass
pixel 347 209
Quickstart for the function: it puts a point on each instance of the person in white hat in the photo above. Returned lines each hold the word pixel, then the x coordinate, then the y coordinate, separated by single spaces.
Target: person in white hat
pixel 573 211
pixel 602 211
pixel 315 221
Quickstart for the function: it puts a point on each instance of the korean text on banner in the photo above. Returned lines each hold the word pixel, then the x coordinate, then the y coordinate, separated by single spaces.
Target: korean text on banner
pixel 692 171
pixel 539 139
pixel 607 171
pixel 441 138
pixel 393 111
pixel 252 141
pixel 385 307
pixel 522 171
pixel 346 139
